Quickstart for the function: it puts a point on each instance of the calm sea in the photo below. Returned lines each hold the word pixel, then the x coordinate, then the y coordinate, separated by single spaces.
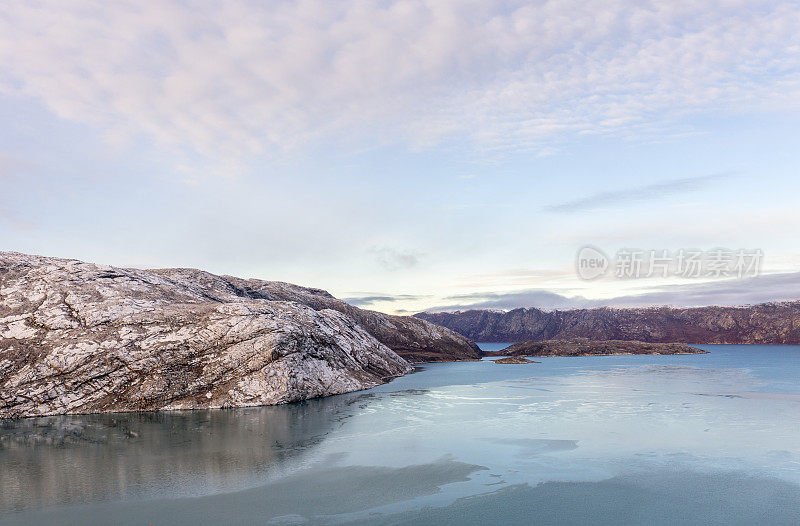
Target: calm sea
pixel 696 439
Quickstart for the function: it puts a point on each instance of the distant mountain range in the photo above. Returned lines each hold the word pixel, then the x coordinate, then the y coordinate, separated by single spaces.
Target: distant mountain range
pixel 767 323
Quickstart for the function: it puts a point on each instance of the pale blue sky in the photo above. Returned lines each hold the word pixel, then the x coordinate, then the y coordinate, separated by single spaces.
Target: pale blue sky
pixel 419 150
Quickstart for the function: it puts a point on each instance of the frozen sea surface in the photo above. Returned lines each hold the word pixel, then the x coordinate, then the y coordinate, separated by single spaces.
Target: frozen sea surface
pixel 691 439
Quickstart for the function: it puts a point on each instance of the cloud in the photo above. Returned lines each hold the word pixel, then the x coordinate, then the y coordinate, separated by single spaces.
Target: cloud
pixel 392 259
pixel 760 289
pixel 241 78
pixel 365 301
pixel 641 193
pixel 539 298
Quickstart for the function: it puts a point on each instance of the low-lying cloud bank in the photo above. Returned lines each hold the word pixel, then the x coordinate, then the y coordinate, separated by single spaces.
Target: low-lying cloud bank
pixel 371 300
pixel 761 289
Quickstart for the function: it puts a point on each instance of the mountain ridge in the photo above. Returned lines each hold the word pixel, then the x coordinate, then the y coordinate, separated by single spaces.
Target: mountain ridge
pixel 763 323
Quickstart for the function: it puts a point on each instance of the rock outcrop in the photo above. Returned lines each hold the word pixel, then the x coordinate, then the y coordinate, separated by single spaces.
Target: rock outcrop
pixel 586 347
pixel 414 339
pixel 768 323
pixel 82 338
pixel 514 360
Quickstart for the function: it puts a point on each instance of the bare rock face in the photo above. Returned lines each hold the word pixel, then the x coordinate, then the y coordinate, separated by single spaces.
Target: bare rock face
pixel 768 323
pixel 82 338
pixel 414 339
pixel 586 347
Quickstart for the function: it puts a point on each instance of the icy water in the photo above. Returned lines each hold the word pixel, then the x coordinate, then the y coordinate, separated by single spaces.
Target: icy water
pixel 698 439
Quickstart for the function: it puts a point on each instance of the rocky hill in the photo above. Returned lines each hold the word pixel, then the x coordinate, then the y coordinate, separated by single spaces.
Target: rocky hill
pixel 586 347
pixel 414 339
pixel 769 323
pixel 77 337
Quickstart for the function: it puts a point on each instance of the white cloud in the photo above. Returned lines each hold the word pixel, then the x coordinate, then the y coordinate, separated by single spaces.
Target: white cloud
pixel 393 259
pixel 238 79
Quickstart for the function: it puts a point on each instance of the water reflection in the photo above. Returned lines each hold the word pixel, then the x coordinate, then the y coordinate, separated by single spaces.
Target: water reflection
pixel 72 459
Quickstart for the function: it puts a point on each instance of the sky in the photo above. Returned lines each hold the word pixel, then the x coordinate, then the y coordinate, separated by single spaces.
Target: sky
pixel 408 155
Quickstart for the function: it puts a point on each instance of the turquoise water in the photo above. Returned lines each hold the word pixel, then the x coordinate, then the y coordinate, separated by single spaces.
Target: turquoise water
pixel 691 439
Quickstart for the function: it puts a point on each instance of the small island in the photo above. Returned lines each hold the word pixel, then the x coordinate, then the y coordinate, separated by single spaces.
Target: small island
pixel 587 347
pixel 514 360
